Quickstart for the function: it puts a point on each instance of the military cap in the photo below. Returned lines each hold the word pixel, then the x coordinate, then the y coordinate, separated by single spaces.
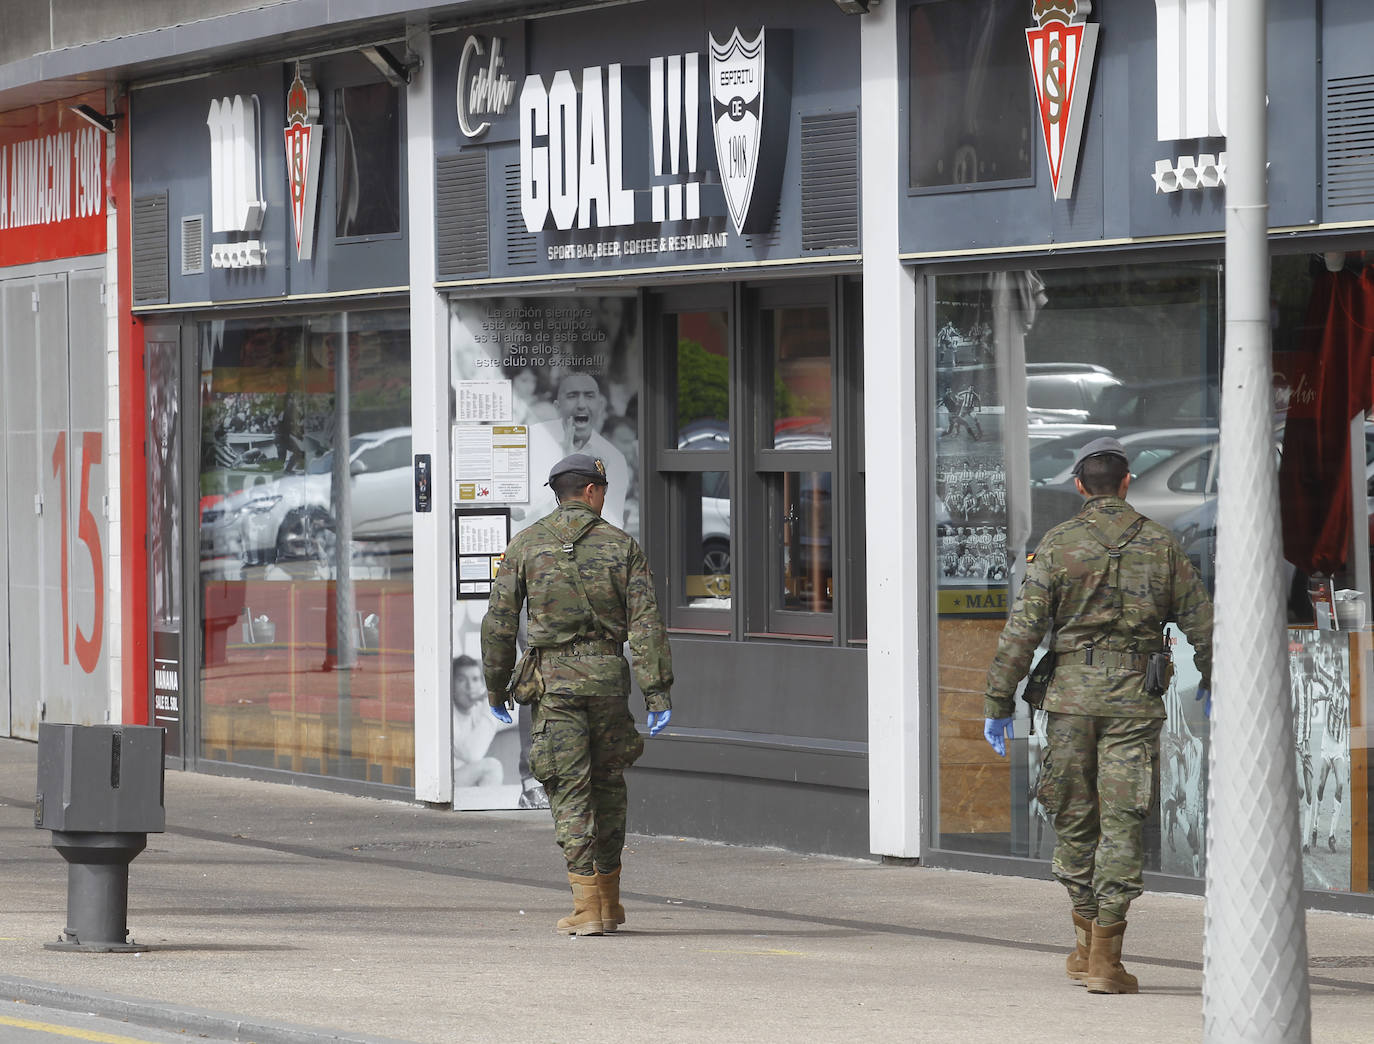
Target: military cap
pixel 1107 446
pixel 594 468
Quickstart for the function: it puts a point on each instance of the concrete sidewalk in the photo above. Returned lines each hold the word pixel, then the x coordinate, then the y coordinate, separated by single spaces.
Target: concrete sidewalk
pixel 286 914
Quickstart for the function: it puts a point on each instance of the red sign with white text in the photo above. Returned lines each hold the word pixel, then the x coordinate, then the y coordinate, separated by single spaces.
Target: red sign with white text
pixel 52 183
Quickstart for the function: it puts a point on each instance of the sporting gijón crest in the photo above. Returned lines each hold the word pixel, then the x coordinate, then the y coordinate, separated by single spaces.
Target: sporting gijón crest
pixel 1062 48
pixel 304 146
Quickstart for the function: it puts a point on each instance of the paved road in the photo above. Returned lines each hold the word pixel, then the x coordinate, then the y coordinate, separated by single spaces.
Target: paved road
pixel 285 914
pixel 29 1024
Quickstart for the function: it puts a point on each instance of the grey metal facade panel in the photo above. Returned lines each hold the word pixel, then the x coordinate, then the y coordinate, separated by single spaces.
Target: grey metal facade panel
pixel 824 45
pixel 170 152
pixel 773 689
pixel 460 190
pixel 785 759
pixel 1115 196
pixel 150 249
pixel 1348 114
pixel 739 811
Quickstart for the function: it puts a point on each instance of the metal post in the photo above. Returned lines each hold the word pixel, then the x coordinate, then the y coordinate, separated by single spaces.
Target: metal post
pixel 1255 953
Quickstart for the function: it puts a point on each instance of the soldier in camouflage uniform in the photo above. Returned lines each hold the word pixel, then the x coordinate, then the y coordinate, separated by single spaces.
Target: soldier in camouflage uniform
pixel 589 589
pixel 1101 585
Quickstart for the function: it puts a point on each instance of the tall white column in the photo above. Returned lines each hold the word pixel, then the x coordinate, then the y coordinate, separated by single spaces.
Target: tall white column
pixel 433 562
pixel 1255 954
pixel 895 531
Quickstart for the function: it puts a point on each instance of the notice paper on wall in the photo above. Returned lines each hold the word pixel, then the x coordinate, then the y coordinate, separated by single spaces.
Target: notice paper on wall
pixel 476 401
pixel 482 536
pixel 491 463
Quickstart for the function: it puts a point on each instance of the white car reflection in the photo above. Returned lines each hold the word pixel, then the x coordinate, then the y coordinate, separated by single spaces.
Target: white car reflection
pixel 290 517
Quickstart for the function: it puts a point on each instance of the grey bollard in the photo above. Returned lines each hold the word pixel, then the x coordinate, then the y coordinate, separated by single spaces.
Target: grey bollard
pixel 100 793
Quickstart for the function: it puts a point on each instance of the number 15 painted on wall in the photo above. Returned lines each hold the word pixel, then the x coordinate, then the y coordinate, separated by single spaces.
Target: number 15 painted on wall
pixel 88 532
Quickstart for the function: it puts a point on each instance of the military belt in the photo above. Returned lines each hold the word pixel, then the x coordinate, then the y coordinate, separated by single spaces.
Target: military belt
pixel 586 647
pixel 1110 659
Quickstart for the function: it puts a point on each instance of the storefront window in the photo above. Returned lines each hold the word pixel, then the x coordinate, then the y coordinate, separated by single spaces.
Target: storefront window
pixel 799 339
pixel 305 545
pixel 802 502
pixel 368 172
pixel 702 379
pixel 705 539
pixel 971 112
pixel 1028 367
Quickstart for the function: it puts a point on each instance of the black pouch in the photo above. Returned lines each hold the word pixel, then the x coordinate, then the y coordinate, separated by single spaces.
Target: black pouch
pixel 1159 671
pixel 1038 683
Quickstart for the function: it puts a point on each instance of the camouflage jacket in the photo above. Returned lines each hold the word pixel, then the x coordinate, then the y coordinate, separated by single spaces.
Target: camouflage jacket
pixel 617 584
pixel 1117 607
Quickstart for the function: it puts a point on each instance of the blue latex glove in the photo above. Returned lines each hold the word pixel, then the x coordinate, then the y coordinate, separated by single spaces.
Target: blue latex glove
pixel 501 714
pixel 994 731
pixel 1206 696
pixel 658 720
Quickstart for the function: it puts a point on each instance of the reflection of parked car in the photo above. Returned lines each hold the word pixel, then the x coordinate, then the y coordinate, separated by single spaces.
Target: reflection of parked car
pixel 1065 392
pixel 289 516
pixel 715 523
pixel 1051 463
pixel 1172 486
pixel 1193 401
pixel 1197 534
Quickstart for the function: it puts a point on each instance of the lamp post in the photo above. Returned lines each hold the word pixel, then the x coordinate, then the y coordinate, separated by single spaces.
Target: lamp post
pixel 1255 985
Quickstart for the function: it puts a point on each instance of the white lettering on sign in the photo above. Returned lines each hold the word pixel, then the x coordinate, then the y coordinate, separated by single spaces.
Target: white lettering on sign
pixel 57 177
pixel 576 175
pixel 1190 70
pixel 675 81
pixel 488 92
pixel 235 173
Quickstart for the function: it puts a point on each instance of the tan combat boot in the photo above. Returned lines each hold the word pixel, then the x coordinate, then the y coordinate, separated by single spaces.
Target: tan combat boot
pixel 586 916
pixel 1077 963
pixel 612 913
pixel 1105 973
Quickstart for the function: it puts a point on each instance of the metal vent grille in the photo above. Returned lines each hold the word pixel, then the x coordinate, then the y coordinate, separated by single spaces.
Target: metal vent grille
pixel 830 181
pixel 150 249
pixel 193 245
pixel 460 189
pixel 521 248
pixel 1350 141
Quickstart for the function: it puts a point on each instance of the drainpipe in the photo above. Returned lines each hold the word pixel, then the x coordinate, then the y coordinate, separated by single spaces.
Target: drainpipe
pixel 1255 985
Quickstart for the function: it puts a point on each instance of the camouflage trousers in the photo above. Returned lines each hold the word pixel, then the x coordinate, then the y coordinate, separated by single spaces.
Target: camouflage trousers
pixel 1099 782
pixel 580 747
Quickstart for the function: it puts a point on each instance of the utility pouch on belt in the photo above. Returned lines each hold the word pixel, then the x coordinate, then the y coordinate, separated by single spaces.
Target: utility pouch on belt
pixel 1159 671
pixel 527 683
pixel 1038 682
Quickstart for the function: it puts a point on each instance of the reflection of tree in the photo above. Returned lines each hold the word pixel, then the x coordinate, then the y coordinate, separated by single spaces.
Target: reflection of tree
pixel 785 402
pixel 703 382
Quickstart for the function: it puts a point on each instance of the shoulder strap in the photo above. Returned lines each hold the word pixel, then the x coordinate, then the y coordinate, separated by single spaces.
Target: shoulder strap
pixel 1114 550
pixel 574 573
pixel 1127 535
